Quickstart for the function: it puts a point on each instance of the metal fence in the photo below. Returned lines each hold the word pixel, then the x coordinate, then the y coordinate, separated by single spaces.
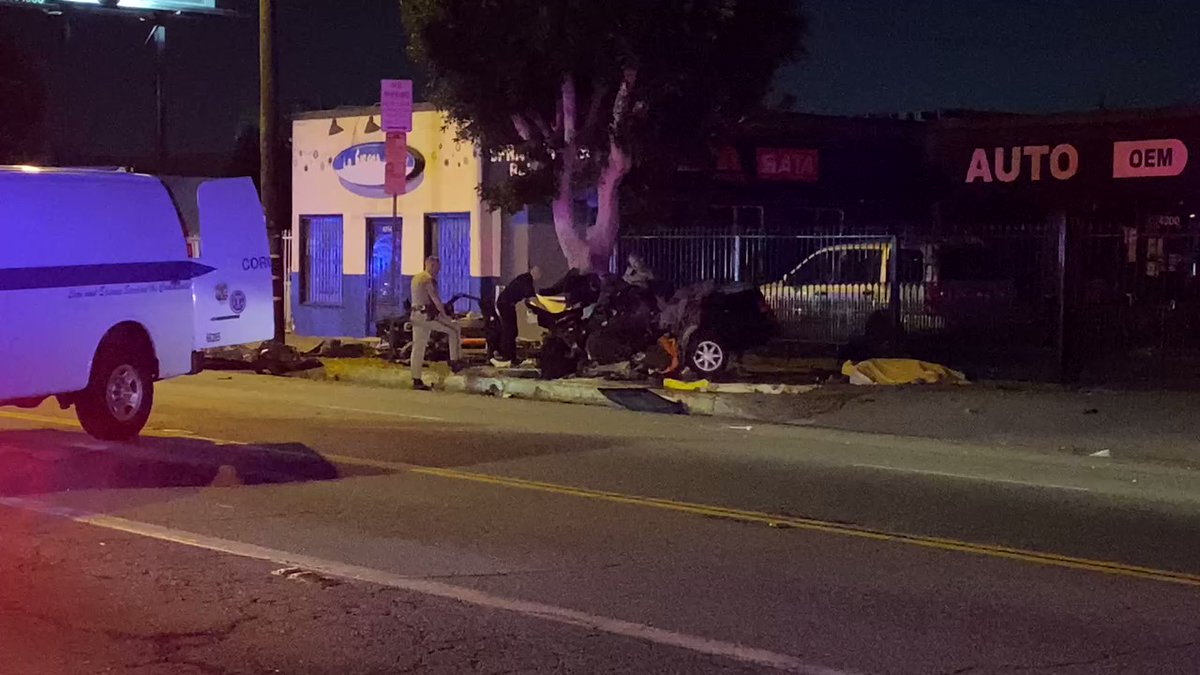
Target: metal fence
pixel 823 288
pixel 1134 306
pixel 838 288
pixel 1096 299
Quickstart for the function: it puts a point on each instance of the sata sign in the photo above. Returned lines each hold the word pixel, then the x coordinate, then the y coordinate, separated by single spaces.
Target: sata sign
pixel 1149 159
pixel 790 164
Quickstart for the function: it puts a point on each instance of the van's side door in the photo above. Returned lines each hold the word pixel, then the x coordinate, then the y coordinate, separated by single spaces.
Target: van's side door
pixel 234 304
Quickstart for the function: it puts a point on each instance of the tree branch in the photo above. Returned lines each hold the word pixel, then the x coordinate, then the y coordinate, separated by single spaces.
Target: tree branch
pixel 522 126
pixel 570 111
pixel 602 236
pixel 599 91
pixel 540 122
pixel 623 102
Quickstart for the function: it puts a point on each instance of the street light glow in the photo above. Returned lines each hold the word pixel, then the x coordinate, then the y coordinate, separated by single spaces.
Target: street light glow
pixel 172 5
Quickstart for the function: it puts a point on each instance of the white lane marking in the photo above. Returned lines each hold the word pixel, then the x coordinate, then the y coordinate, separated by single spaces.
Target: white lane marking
pixel 385 413
pixel 333 568
pixel 963 476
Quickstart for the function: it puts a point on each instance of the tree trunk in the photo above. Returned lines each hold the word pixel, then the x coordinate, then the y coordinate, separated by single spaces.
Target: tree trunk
pixel 602 237
pixel 574 248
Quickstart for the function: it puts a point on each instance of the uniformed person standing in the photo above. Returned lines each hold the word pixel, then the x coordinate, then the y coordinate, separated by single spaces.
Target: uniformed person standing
pixel 429 316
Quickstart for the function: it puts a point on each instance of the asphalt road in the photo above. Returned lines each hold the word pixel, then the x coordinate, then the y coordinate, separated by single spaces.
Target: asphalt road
pixel 278 526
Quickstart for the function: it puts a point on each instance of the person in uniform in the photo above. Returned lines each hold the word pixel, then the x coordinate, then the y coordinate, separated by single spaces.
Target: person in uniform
pixel 429 316
pixel 521 287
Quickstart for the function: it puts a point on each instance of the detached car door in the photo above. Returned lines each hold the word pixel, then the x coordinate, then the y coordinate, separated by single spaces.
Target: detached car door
pixel 234 304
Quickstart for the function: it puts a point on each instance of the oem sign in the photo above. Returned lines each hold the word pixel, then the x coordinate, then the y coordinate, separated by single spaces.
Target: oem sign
pixel 1149 159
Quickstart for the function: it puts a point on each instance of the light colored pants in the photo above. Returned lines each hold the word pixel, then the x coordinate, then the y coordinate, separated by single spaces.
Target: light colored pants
pixel 423 329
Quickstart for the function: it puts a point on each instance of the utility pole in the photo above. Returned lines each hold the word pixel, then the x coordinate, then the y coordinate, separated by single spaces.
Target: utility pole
pixel 268 137
pixel 159 35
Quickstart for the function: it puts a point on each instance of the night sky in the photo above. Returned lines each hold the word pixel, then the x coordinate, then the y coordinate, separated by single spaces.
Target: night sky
pixel 1017 55
pixel 865 56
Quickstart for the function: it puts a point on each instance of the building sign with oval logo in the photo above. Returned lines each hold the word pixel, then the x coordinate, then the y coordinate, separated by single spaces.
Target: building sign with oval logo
pixel 362 169
pixel 1149 159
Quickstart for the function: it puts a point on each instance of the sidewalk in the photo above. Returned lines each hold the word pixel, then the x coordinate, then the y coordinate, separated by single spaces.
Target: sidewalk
pixel 1133 425
pixel 1127 425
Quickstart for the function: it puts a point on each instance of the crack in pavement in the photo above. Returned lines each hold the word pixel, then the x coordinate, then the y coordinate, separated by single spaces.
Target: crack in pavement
pixel 166 645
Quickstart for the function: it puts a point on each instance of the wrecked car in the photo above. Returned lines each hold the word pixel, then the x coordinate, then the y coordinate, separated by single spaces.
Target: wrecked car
pixel 604 326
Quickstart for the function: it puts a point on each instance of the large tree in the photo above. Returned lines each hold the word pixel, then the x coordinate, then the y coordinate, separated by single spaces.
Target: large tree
pixel 578 92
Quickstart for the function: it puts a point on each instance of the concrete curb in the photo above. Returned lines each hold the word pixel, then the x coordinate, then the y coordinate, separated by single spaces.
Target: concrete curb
pixel 731 404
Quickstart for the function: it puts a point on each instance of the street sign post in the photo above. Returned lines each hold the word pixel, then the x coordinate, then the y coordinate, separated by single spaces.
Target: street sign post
pixel 396 118
pixel 395 176
pixel 396 100
pixel 395 171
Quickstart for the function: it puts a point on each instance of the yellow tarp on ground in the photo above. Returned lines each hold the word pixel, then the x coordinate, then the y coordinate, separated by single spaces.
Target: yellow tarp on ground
pixel 900 371
pixel 680 385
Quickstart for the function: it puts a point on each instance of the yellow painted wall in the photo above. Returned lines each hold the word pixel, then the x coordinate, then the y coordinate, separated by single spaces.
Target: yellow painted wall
pixel 453 171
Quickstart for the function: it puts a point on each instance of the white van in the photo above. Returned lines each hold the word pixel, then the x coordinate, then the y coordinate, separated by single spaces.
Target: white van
pixel 110 281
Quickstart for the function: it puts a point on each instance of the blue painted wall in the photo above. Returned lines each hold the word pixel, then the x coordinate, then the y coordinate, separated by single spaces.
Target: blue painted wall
pixel 348 320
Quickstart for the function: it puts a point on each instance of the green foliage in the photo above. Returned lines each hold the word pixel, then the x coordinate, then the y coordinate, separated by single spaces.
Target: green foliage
pixel 700 64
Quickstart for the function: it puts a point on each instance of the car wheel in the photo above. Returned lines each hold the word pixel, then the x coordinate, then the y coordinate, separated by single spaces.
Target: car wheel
pixel 708 356
pixel 882 336
pixel 116 404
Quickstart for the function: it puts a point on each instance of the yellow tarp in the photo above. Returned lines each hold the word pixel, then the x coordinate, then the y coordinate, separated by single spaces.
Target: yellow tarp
pixel 900 371
pixel 680 385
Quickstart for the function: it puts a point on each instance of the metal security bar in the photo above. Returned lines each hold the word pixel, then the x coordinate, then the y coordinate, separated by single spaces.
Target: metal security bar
pixel 288 256
pixel 321 260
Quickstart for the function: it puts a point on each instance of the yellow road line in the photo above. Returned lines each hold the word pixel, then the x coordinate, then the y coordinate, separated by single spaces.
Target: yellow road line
pixel 45 419
pixel 738 515
pixel 815 525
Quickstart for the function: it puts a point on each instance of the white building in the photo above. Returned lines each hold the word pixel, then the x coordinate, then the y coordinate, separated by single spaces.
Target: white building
pixel 352 263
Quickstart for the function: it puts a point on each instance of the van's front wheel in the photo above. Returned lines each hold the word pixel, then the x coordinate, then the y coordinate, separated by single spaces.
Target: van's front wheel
pixel 116 405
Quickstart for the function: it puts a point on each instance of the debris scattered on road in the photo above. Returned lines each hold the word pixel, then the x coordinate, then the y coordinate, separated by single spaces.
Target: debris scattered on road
pixel 227 476
pixel 747 428
pixel 1091 411
pixel 644 400
pixel 305 576
pixel 267 358
pixel 1102 453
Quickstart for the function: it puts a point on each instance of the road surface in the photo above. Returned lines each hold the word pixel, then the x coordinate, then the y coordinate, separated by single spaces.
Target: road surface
pixel 277 526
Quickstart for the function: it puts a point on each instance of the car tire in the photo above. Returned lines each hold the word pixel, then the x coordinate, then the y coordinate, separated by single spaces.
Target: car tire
pixel 883 337
pixel 556 359
pixel 708 355
pixel 116 404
